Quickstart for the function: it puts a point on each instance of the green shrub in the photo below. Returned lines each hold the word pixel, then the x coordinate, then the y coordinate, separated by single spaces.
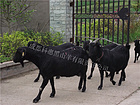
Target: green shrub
pixel 9 43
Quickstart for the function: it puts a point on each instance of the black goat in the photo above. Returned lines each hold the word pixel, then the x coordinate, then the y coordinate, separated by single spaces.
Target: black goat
pixel 69 62
pixel 115 59
pixel 137 50
pixel 86 47
pixel 39 47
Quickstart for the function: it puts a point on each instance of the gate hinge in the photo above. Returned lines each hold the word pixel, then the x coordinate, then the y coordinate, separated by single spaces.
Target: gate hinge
pixel 71 4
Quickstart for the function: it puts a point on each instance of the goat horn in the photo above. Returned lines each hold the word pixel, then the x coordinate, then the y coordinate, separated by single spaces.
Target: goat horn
pixel 95 41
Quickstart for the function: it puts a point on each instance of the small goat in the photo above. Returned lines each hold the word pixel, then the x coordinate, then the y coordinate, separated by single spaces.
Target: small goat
pixel 39 47
pixel 115 59
pixel 137 50
pixel 86 47
pixel 69 62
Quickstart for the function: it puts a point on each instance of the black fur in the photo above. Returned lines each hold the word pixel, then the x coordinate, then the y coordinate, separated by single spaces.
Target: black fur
pixel 51 65
pixel 137 50
pixel 86 47
pixel 34 45
pixel 115 59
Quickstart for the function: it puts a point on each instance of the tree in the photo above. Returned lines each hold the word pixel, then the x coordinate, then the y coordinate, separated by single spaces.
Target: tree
pixel 15 13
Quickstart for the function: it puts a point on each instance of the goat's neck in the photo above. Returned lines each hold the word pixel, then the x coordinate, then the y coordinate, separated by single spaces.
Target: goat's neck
pixel 33 56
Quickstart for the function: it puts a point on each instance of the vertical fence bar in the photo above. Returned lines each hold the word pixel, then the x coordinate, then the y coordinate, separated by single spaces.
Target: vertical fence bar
pixel 128 32
pixel 103 20
pixel 90 6
pixel 85 6
pixel 108 20
pixel 85 28
pixel 98 19
pixel 94 18
pixel 108 5
pixel 73 23
pixel 76 21
pixel 123 25
pixel 98 6
pixel 94 6
pixel 118 22
pixel 122 31
pixel 81 22
pixel 113 23
pixel 90 20
pixel 85 19
pixel 99 28
pixel 103 6
pixel 108 32
pixel 81 29
pixel 94 28
pixel 81 6
pixel 118 30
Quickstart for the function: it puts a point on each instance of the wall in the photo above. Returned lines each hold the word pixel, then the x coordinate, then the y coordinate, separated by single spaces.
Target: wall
pixel 9 69
pixel 61 17
pixel 39 20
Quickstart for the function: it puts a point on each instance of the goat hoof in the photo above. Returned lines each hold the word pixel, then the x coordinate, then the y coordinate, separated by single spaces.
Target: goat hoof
pixel 84 89
pixel 107 76
pixel 79 88
pixel 57 77
pixel 119 84
pixel 89 77
pixel 123 79
pixel 52 95
pixel 134 61
pixel 100 88
pixel 36 100
pixel 36 80
pixel 113 82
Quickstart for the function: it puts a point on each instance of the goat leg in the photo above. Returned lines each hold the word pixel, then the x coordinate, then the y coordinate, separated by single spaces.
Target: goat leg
pixel 36 80
pixel 111 78
pixel 80 83
pixel 84 86
pixel 44 83
pixel 124 76
pixel 92 69
pixel 135 57
pixel 138 56
pixel 53 88
pixel 102 77
pixel 121 78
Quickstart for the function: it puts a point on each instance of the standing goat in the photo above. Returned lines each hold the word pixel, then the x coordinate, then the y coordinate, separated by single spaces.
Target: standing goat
pixel 39 47
pixel 69 62
pixel 115 59
pixel 137 50
pixel 86 47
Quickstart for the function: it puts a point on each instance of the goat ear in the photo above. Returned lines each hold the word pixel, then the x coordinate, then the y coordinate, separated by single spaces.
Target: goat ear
pixel 23 52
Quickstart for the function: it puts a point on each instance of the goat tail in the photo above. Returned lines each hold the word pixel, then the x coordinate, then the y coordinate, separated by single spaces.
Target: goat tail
pixel 127 45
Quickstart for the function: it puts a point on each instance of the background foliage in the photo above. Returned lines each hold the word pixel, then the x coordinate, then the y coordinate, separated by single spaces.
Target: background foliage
pixel 10 42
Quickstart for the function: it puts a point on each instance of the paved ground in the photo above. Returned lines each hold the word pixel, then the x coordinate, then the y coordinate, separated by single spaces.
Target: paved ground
pixel 21 90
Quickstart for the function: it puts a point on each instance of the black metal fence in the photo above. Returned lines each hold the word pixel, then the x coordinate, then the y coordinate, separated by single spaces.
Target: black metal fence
pixel 108 19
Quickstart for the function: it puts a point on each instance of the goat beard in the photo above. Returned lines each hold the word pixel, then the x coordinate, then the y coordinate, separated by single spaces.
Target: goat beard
pixel 21 62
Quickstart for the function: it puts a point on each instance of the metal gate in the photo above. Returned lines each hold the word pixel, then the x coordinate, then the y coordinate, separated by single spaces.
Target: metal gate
pixel 108 19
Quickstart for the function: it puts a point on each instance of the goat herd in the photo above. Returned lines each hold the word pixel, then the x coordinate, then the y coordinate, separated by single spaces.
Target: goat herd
pixel 69 60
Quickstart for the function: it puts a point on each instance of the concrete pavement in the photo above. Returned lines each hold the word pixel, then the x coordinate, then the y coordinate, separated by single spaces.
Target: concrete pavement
pixel 21 90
